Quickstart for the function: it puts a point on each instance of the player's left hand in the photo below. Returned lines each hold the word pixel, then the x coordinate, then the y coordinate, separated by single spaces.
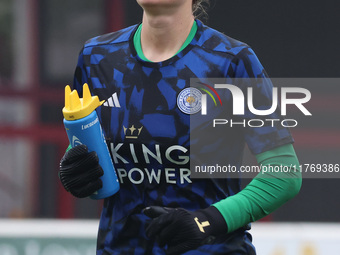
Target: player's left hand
pixel 184 230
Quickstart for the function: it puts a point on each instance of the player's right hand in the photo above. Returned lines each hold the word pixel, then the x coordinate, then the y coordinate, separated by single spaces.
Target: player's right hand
pixel 79 171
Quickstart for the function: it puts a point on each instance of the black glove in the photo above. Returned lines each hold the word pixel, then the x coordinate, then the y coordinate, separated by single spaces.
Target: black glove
pixel 184 230
pixel 79 172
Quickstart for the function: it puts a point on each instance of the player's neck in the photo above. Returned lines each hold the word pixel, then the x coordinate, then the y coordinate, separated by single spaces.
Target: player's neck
pixel 163 35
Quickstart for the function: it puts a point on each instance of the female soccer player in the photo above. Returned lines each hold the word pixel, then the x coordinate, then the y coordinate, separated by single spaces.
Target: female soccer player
pixel 143 72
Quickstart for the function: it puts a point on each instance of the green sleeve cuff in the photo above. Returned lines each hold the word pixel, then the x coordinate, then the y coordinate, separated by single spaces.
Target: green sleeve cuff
pixel 69 148
pixel 266 192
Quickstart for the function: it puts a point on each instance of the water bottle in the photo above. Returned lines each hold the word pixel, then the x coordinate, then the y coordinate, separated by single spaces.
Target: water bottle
pixel 82 127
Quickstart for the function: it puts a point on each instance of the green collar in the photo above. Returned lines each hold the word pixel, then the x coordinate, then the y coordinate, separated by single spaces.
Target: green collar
pixel 138 45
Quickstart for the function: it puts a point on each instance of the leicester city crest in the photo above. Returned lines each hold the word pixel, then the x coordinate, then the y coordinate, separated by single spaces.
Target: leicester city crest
pixel 189 100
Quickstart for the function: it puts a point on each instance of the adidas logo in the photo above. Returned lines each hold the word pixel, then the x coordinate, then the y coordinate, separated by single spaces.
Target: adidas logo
pixel 112 101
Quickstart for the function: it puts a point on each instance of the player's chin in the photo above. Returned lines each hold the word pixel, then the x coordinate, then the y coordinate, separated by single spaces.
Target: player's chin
pixel 160 3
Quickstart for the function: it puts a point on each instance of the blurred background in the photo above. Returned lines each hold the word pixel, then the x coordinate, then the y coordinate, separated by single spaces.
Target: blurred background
pixel 39 45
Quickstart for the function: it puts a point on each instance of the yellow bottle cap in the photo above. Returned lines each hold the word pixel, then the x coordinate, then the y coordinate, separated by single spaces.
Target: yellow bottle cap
pixel 77 108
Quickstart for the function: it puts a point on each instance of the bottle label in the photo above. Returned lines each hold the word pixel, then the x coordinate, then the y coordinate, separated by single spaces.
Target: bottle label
pixel 75 141
pixel 83 127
